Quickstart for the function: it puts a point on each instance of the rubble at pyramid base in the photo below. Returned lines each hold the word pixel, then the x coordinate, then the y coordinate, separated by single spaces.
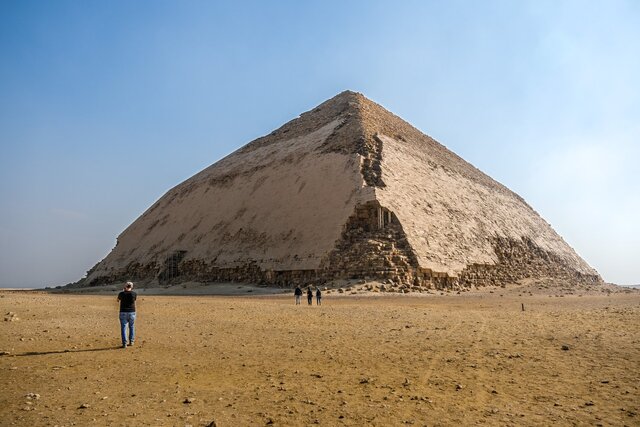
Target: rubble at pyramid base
pixel 373 247
pixel 413 278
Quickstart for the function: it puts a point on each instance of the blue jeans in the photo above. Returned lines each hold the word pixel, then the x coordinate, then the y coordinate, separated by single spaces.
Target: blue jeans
pixel 127 319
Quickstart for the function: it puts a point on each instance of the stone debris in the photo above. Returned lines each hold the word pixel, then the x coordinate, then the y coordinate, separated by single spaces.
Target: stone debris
pixel 11 317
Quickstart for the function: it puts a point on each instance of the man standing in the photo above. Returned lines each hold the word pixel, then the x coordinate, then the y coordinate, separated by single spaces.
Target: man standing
pixel 318 296
pixel 298 294
pixel 127 300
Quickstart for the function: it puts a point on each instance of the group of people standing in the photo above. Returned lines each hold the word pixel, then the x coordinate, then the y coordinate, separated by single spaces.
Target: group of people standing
pixel 298 293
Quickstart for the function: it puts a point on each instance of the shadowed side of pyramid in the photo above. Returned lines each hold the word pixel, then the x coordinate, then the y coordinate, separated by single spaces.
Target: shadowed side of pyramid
pixel 347 190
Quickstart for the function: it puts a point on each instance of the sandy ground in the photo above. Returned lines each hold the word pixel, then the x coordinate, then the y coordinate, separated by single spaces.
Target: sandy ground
pixel 356 360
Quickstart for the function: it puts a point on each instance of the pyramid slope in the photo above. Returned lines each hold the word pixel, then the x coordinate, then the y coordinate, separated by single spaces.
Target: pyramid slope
pixel 346 190
pixel 239 211
pixel 452 221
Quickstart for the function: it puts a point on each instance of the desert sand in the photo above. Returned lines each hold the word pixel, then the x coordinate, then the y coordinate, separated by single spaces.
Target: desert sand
pixel 571 358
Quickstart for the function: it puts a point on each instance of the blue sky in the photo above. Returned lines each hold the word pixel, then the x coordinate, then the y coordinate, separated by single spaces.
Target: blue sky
pixel 106 105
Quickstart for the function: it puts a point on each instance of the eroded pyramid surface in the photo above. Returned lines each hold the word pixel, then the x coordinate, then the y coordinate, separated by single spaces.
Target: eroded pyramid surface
pixel 347 190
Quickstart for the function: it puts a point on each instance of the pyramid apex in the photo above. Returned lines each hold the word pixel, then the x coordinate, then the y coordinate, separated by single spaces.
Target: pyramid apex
pixel 350 95
pixel 346 96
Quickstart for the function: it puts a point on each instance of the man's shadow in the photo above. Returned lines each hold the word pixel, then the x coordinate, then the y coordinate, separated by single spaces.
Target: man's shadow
pixel 42 353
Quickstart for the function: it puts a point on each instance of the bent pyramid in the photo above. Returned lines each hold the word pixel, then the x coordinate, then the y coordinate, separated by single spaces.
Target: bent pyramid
pixel 346 190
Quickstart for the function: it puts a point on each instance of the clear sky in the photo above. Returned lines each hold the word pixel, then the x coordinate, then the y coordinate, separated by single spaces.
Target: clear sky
pixel 105 105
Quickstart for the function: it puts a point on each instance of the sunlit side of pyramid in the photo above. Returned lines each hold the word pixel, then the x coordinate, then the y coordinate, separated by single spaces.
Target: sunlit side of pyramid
pixel 347 190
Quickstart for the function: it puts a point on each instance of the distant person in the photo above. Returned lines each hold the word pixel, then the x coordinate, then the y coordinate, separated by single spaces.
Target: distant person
pixel 127 300
pixel 309 295
pixel 298 294
pixel 318 296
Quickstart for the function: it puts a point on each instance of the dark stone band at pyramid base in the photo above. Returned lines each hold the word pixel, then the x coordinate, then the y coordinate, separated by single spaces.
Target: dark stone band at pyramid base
pixel 517 260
